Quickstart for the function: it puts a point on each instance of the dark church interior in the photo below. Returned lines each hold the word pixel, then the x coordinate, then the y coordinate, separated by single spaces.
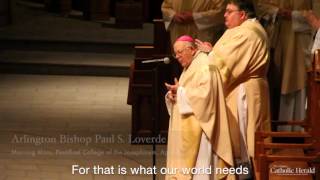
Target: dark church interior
pixel 64 107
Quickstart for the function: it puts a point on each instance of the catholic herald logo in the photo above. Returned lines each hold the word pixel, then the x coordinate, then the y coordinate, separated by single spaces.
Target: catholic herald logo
pixel 295 171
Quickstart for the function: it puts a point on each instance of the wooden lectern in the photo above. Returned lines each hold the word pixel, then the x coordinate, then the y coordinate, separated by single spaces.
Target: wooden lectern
pixel 147 90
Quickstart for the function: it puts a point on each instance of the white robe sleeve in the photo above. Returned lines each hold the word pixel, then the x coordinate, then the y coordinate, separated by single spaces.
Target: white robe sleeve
pixel 167 13
pixel 201 22
pixel 299 22
pixel 267 12
pixel 211 17
pixel 169 104
pixel 242 111
pixel 183 102
pixel 204 158
pixel 168 20
pixel 243 122
pixel 316 44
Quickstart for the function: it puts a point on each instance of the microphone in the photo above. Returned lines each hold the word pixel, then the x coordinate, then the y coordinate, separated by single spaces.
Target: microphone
pixel 165 60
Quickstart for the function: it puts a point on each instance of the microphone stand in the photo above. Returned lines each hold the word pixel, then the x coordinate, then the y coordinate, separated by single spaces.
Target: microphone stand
pixel 154 117
pixel 156 106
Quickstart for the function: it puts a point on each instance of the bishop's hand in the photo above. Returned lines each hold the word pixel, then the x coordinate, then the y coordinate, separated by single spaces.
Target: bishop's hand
pixel 172 90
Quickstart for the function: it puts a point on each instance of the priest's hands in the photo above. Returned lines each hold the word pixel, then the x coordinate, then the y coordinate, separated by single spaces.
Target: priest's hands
pixel 172 90
pixel 183 17
pixel 203 46
pixel 312 19
pixel 285 13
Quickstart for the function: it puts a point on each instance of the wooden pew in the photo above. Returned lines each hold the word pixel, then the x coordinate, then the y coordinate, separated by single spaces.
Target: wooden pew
pixel 304 154
pixel 269 152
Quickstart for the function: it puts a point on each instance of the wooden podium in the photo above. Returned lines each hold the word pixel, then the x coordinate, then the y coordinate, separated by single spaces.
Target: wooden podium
pixel 149 114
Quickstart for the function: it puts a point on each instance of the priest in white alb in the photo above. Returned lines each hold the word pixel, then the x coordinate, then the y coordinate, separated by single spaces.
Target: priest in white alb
pixel 242 57
pixel 202 19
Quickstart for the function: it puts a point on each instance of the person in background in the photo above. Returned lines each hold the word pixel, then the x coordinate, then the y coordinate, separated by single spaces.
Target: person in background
pixel 314 22
pixel 198 134
pixel 290 37
pixel 202 19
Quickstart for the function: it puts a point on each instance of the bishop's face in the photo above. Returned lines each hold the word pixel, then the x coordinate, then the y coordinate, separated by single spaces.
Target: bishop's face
pixel 233 16
pixel 183 53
